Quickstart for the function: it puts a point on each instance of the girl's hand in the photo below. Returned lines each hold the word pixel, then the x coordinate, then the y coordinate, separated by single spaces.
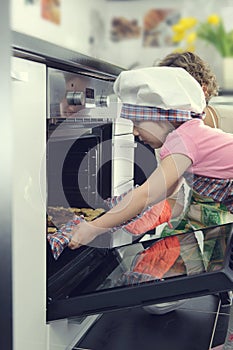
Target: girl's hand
pixel 82 234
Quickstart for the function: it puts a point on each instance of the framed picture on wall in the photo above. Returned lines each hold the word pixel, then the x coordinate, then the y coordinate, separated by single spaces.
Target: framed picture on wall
pixel 50 10
pixel 157 27
pixel 123 28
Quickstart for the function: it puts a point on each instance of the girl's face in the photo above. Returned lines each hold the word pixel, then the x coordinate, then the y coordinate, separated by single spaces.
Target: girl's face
pixel 152 133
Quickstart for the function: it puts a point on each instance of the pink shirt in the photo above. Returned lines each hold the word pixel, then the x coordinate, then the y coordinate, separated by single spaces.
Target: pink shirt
pixel 210 150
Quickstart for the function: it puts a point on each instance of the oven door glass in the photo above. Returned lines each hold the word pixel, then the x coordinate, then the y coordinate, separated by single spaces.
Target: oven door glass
pixel 94 280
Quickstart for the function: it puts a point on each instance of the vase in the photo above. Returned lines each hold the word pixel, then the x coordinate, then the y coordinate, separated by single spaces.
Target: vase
pixel 227 65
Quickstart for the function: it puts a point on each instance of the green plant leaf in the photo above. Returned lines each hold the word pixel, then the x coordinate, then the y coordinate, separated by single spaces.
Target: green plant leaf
pixel 217 36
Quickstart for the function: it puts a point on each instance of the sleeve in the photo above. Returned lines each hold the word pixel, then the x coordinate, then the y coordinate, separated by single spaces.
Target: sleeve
pixel 179 143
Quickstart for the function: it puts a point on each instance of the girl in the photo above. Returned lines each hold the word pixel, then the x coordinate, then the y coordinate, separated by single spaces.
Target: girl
pixel 201 71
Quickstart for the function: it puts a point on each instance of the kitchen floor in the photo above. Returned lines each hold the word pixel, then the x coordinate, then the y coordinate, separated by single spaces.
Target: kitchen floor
pixel 199 324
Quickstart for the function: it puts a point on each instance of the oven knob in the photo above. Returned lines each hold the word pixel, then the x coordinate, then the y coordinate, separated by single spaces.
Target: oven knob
pixel 102 101
pixel 75 98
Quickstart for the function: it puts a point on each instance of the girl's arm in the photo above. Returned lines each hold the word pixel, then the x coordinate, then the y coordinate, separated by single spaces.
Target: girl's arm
pixel 159 186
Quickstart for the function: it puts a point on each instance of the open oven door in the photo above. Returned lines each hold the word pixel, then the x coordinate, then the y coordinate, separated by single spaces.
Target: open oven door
pixel 93 280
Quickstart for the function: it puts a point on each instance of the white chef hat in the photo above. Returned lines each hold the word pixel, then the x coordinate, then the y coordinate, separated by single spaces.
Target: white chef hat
pixel 159 89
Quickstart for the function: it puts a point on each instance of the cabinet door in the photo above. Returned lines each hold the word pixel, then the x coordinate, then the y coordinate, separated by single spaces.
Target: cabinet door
pixel 29 128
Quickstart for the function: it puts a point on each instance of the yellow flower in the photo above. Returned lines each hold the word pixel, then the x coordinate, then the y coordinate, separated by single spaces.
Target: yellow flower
pixel 213 19
pixel 182 28
pixel 188 22
pixel 179 50
pixel 191 37
pixel 178 28
pixel 191 48
pixel 178 37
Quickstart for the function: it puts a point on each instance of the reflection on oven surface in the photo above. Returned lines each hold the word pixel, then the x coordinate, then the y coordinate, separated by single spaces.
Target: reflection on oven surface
pixel 89 270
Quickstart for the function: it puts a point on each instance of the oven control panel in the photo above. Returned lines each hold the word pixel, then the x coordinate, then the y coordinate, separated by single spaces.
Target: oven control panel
pixel 70 94
pixel 79 98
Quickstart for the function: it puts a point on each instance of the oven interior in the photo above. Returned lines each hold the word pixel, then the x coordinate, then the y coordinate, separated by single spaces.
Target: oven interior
pixel 78 180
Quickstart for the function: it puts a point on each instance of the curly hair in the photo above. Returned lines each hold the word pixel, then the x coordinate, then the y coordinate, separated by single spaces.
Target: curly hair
pixel 196 67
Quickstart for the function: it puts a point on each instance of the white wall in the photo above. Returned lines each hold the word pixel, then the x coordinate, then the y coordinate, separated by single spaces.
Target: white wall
pixel 74 30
